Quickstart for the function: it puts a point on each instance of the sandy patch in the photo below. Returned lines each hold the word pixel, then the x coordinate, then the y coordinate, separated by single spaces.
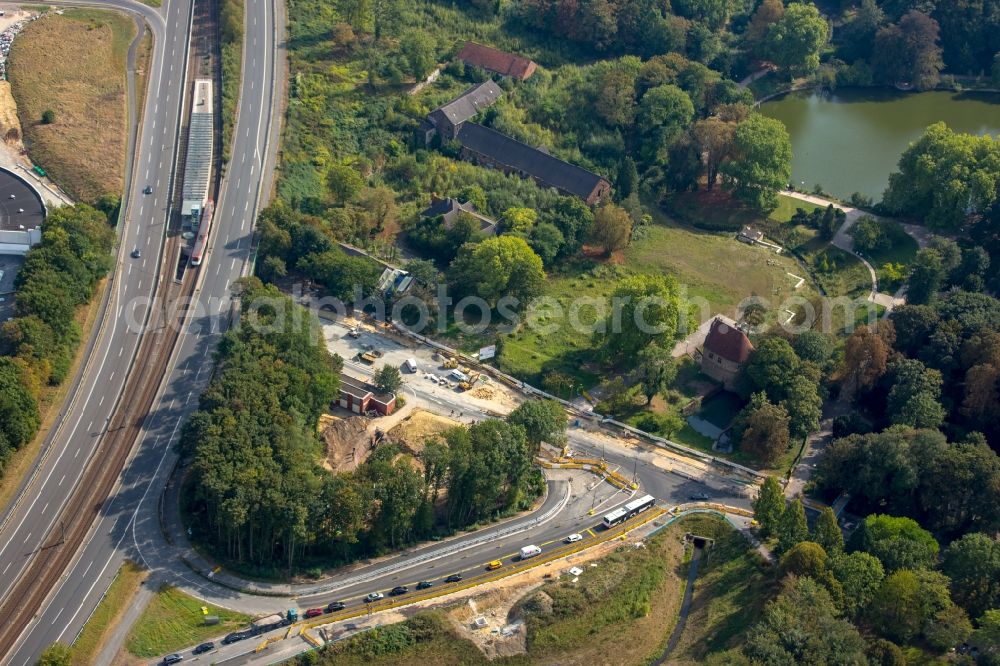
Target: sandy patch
pixel 418 428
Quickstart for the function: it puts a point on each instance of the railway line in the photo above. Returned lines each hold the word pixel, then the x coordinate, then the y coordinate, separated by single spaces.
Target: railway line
pixel 96 487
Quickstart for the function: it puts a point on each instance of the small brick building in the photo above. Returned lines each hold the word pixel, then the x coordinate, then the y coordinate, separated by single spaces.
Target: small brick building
pixel 359 397
pixel 497 61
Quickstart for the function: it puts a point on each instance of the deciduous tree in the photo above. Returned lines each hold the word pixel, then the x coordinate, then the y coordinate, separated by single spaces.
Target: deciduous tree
pixel 768 506
pixel 612 228
pixel 761 164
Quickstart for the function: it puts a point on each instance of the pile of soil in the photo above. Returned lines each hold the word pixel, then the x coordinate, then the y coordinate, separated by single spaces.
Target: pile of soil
pixel 348 443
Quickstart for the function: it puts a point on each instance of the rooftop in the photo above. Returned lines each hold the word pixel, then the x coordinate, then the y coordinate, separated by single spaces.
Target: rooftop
pixel 354 387
pixel 24 197
pixel 469 103
pixel 530 161
pixel 730 343
pixel 494 60
pixel 198 164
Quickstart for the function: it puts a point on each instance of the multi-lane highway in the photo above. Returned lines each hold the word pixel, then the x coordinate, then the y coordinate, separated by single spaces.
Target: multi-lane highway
pixel 129 525
pixel 33 522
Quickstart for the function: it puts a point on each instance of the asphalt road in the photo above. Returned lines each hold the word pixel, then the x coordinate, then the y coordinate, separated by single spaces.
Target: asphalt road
pixel 32 523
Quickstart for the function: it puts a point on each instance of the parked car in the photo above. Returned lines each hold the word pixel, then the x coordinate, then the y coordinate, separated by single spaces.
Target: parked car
pixel 573 538
pixel 494 565
pixel 454 578
pixel 335 606
pixel 173 658
pixel 374 596
pixel 314 612
pixel 699 497
pixel 203 648
pixel 354 332
pixel 424 584
pixel 398 590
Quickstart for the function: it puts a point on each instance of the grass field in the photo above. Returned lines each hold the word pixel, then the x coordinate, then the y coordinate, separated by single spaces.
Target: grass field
pixel 107 614
pixel 732 586
pixel 714 265
pixel 173 620
pixel 74 64
pixel 715 270
pixel 536 350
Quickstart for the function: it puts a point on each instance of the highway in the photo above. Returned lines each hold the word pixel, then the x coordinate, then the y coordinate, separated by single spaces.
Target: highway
pixel 32 524
pixel 129 526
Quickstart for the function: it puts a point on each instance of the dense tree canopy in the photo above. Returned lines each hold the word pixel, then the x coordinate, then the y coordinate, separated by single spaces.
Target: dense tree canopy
pixel 945 177
pixel 762 162
pixel 504 266
pixel 37 345
pixel 649 309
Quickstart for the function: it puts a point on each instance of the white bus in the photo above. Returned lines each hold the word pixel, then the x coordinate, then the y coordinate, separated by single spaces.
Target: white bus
pixel 630 509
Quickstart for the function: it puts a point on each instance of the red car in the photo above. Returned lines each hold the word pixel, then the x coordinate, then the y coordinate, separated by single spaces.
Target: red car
pixel 313 612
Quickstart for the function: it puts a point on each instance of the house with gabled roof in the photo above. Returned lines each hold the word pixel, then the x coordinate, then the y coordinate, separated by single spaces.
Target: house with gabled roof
pixel 446 120
pixel 497 61
pixel 725 351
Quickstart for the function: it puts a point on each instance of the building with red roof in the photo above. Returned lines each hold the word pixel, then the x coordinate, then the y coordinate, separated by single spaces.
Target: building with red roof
pixel 499 62
pixel 726 349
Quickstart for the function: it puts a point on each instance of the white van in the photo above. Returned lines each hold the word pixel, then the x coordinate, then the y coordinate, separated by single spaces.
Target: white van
pixel 410 365
pixel 530 551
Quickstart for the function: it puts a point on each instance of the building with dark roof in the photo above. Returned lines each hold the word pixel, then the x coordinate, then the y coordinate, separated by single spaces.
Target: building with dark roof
pixel 499 62
pixel 449 209
pixel 359 397
pixel 446 120
pixel 726 350
pixel 492 149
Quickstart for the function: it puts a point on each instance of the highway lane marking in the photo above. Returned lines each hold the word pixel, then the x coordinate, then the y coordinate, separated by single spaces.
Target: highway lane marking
pixel 7 567
pixel 26 538
pixel 77 452
pixel 590 532
pixel 56 618
pixel 232 265
pixel 111 377
pixel 98 404
pixel 62 479
pixel 94 381
pixel 45 507
pixel 130 269
pixel 121 351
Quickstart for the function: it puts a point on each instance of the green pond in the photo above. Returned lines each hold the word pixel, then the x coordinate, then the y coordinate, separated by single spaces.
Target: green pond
pixel 850 140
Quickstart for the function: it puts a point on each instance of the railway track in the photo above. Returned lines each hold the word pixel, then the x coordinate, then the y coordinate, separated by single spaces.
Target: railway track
pixel 95 488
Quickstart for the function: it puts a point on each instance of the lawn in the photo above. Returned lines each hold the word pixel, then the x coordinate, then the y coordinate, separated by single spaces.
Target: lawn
pixel 787 207
pixel 173 620
pixel 732 587
pixel 72 64
pixel 714 266
pixel 107 614
pixel 551 343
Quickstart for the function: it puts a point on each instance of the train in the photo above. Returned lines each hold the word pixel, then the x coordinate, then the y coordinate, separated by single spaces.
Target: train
pixel 204 228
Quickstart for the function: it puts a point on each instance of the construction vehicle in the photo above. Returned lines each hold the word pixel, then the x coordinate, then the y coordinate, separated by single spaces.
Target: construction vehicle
pixel 450 363
pixel 368 357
